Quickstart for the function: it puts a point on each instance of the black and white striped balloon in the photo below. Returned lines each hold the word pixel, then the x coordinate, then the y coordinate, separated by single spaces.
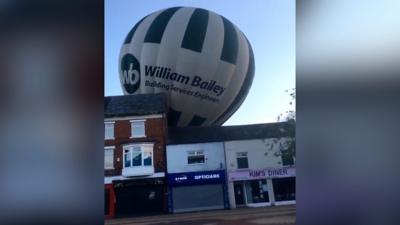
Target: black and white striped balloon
pixel 203 63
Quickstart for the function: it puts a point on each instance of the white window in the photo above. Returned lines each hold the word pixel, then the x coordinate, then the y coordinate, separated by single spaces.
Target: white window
pixel 109 158
pixel 109 130
pixel 242 160
pixel 138 155
pixel 196 157
pixel 138 128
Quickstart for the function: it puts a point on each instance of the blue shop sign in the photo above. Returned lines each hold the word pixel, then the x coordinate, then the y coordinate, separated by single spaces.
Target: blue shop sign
pixel 192 178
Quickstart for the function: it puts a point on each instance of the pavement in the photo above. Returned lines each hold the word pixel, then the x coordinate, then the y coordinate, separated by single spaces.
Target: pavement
pixel 243 216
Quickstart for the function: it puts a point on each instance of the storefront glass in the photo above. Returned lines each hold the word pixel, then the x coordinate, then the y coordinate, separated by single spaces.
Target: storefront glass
pixel 256 191
pixel 284 189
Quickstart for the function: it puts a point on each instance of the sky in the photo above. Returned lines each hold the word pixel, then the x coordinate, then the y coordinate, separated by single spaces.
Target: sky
pixel 268 24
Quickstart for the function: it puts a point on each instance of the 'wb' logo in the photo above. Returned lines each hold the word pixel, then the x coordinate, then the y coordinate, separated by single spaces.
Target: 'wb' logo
pixel 130 73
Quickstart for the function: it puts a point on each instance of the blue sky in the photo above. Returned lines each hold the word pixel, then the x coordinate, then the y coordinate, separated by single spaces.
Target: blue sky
pixel 268 24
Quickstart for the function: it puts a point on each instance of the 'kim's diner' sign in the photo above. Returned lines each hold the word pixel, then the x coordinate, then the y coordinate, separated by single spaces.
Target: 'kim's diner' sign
pixel 262 173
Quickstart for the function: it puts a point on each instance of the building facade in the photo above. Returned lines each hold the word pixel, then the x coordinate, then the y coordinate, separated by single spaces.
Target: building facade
pixel 196 177
pixel 151 168
pixel 259 160
pixel 134 149
pixel 257 175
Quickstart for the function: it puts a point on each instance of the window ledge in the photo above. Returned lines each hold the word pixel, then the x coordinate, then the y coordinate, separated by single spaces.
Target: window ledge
pixel 138 171
pixel 243 169
pixel 195 164
pixel 138 136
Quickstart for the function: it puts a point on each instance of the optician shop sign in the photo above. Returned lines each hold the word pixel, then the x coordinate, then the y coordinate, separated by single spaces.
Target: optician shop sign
pixel 262 173
pixel 190 178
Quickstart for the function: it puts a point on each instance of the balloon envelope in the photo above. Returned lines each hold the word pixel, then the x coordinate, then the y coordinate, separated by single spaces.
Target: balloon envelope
pixel 202 61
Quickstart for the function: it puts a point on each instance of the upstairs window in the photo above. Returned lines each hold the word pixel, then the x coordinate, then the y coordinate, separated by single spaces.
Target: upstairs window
pixel 196 157
pixel 109 130
pixel 147 158
pixel 109 158
pixel 242 160
pixel 138 128
pixel 138 155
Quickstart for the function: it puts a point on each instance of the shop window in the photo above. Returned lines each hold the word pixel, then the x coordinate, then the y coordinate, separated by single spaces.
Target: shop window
pixel 284 189
pixel 109 130
pixel 258 191
pixel 138 128
pixel 242 160
pixel 196 157
pixel 109 158
pixel 138 155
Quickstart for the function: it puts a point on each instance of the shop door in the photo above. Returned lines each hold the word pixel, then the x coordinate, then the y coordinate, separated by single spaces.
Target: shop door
pixel 239 193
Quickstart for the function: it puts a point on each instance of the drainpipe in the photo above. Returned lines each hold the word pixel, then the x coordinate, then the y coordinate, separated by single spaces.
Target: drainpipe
pixel 226 194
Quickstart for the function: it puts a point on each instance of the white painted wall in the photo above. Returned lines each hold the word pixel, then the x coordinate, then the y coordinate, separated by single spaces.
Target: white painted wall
pixel 261 153
pixel 177 157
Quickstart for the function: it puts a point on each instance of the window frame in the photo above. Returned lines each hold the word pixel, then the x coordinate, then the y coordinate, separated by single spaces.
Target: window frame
pixel 109 148
pixel 105 130
pixel 130 148
pixel 243 156
pixel 132 128
pixel 196 154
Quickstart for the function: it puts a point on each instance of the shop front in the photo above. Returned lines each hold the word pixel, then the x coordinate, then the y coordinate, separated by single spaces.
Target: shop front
pixel 264 187
pixel 137 197
pixel 195 191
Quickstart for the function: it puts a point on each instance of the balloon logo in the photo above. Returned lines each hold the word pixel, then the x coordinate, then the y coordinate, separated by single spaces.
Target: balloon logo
pixel 130 73
pixel 201 60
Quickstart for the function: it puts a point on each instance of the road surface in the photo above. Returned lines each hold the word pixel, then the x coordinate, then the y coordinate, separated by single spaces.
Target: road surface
pixel 242 216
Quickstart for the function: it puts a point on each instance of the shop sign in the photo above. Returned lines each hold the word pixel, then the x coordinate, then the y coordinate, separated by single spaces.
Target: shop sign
pixel 262 173
pixel 215 176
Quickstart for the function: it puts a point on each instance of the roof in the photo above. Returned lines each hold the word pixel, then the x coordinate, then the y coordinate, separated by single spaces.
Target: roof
pixel 186 135
pixel 134 105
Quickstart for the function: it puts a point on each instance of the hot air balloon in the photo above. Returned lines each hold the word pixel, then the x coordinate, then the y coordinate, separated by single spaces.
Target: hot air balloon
pixel 202 61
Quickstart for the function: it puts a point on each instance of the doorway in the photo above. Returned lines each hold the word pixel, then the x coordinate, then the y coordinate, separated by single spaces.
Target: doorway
pixel 239 193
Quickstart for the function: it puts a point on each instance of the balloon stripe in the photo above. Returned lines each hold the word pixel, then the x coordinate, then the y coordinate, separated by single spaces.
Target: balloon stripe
pixel 156 30
pixel 243 90
pixel 173 117
pixel 197 121
pixel 230 48
pixel 128 38
pixel 196 31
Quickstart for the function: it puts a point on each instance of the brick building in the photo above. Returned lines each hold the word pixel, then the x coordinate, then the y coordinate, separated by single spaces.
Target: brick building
pixel 134 149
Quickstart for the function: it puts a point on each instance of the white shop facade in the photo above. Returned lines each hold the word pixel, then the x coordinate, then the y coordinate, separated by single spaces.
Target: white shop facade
pixel 257 175
pixel 258 168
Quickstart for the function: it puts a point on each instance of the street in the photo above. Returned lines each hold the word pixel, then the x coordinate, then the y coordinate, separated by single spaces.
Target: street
pixel 242 216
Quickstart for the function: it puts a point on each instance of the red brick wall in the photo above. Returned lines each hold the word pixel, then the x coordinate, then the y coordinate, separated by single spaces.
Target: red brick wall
pixel 111 212
pixel 155 129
